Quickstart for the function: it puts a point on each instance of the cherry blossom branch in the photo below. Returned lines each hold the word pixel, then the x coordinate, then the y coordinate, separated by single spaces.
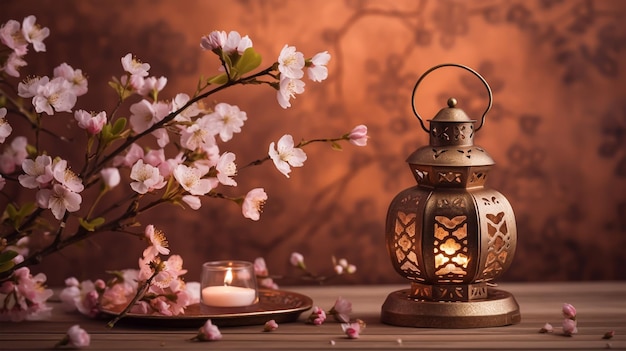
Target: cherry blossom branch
pixel 130 140
pixel 140 293
pixel 21 111
pixel 300 144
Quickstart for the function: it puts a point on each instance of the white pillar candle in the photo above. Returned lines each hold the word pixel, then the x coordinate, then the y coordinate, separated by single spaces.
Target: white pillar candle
pixel 228 296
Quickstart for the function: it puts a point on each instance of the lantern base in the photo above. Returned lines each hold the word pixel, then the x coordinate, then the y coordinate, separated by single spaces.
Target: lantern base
pixel 498 309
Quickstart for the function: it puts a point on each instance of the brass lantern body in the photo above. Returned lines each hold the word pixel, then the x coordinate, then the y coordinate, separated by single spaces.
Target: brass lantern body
pixel 449 235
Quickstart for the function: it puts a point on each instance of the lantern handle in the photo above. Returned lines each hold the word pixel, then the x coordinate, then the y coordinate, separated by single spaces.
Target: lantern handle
pixel 482 119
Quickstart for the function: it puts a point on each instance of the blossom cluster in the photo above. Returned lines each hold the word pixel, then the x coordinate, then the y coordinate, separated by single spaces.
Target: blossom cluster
pixel 340 311
pixel 159 284
pixel 24 297
pixel 168 151
pixel 296 259
pixel 569 325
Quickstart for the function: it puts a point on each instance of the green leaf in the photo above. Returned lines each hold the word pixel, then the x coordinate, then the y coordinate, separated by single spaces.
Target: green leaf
pixel 119 126
pixel 6 266
pixel 7 255
pixel 106 132
pixel 91 225
pixel 6 260
pixel 248 61
pixel 16 215
pixel 218 79
pixel 336 146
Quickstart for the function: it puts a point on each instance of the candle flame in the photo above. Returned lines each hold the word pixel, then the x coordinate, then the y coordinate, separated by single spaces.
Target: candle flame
pixel 228 278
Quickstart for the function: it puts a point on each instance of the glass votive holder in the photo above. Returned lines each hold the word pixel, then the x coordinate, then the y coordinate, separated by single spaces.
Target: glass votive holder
pixel 228 284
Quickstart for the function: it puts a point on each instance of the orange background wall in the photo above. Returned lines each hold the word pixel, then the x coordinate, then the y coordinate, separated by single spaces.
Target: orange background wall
pixel 557 130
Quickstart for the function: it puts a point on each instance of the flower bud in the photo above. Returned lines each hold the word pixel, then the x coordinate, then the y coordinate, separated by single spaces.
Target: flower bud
pixel 110 177
pixel 358 135
pixel 569 311
pixel 270 325
pixel 297 260
pixel 569 327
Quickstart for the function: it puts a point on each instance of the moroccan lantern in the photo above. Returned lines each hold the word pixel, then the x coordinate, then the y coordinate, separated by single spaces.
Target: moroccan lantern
pixel 449 235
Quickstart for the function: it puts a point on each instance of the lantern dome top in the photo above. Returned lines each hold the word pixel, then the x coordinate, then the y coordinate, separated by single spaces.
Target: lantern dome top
pixel 451 114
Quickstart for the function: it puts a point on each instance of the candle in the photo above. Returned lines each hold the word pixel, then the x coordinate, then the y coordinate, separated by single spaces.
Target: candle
pixel 228 296
pixel 228 284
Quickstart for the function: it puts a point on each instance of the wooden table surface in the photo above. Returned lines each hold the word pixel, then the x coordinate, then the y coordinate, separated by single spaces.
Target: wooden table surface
pixel 601 307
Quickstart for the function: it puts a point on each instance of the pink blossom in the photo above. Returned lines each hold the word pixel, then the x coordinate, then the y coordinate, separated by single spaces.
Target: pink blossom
pixel 236 43
pixel 81 296
pixel 38 172
pixel 225 120
pixel 341 310
pixel 226 168
pixel 152 86
pixel 297 260
pixel 28 88
pixel 317 70
pixel 342 266
pixel 134 153
pixel 252 205
pixel 93 124
pixel 78 337
pixel 193 292
pixel 135 67
pixel 5 127
pixel 59 199
pixel 198 135
pixel 547 328
pixel 13 64
pixel 55 96
pixel 192 201
pixel 190 178
pixel 569 311
pixel 78 82
pixel 214 40
pixel 353 330
pixel 145 114
pixel 14 154
pixel 6 287
pixel 161 306
pixel 192 110
pixel 110 177
pixel 146 178
pixel 270 325
pixel 262 273
pixel 288 88
pixel 290 63
pixel 174 266
pixel 26 297
pixel 181 301
pixel 260 268
pixel 208 332
pixel 569 327
pixel 317 317
pixel 358 135
pixel 11 35
pixel 66 177
pixel 286 155
pixel 155 157
pixel 34 34
pixel 141 307
pixel 158 242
